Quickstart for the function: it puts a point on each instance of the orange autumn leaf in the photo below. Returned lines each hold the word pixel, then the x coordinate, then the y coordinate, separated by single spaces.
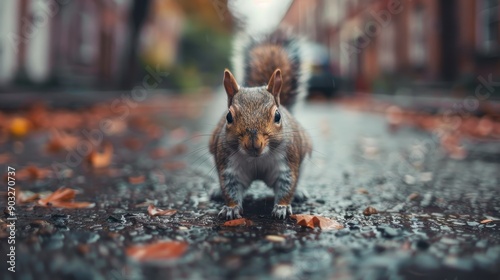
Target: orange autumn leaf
pixel 100 160
pixel 63 198
pixel 19 127
pixel 4 158
pixel 165 250
pixel 72 204
pixel 136 179
pixel 313 221
pixel 304 220
pixel 153 211
pixel 238 222
pixel 61 141
pixel 33 173
pixel 133 143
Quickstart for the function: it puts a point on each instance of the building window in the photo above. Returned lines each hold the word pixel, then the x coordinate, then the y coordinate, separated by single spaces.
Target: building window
pixel 488 21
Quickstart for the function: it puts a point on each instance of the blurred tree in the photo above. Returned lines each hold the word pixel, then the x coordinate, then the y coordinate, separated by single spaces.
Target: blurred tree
pixel 138 14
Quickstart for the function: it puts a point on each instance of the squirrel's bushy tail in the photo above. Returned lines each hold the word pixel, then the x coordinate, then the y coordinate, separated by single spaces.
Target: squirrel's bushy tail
pixel 256 57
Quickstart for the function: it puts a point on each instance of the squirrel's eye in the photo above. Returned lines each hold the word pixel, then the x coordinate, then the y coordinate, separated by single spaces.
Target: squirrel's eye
pixel 229 117
pixel 277 116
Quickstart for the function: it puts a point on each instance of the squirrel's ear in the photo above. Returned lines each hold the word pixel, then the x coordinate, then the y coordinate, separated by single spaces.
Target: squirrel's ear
pixel 230 85
pixel 274 85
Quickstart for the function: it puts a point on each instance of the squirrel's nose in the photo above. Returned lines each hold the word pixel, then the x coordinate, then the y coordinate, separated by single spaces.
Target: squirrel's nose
pixel 256 144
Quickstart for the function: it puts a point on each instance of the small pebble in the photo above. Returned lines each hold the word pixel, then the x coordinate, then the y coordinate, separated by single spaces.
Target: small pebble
pixel 275 238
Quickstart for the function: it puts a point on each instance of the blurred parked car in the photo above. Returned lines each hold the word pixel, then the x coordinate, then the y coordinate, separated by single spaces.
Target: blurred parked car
pixel 322 83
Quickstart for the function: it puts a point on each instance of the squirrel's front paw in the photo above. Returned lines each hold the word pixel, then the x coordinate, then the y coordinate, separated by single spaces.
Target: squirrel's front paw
pixel 231 212
pixel 280 211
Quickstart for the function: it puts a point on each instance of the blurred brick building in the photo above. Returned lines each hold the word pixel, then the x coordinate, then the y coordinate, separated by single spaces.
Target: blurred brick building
pixel 431 43
pixel 97 43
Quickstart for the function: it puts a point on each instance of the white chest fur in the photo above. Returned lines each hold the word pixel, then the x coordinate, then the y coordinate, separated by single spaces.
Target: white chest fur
pixel 267 167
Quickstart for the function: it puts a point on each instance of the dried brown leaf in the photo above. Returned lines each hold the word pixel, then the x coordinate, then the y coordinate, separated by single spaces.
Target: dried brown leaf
pixel 153 211
pixel 4 158
pixel 63 198
pixel 313 221
pixel 32 172
pixel 158 153
pixel 238 222
pixel 72 204
pixel 413 196
pixel 61 141
pixel 133 143
pixel 486 221
pixel 136 179
pixel 165 250
pixel 370 211
pixel 304 220
pixel 100 160
pixel 326 224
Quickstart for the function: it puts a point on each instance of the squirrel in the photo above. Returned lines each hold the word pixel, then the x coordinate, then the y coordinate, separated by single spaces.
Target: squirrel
pixel 258 138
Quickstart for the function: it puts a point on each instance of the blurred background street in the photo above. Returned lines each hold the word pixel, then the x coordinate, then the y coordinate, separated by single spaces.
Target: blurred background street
pixel 106 108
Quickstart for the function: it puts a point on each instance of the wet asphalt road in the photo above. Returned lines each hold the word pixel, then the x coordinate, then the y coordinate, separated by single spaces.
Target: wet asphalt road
pixel 428 227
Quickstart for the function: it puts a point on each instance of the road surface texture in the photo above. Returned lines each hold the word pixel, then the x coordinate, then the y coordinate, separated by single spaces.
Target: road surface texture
pixel 437 215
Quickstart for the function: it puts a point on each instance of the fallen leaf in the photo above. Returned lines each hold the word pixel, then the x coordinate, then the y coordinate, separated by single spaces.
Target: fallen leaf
pixel 153 211
pixel 71 204
pixel 164 250
pixel 32 172
pixel 154 131
pixel 4 158
pixel 238 222
pixel 158 153
pixel 412 196
pixel 115 127
pixel 100 160
pixel 363 191
pixel 61 141
pixel 176 165
pixel 304 220
pixel 326 224
pixel 19 127
pixel 370 211
pixel 313 221
pixel 133 143
pixel 136 179
pixel 63 198
pixel 83 249
pixel 486 221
